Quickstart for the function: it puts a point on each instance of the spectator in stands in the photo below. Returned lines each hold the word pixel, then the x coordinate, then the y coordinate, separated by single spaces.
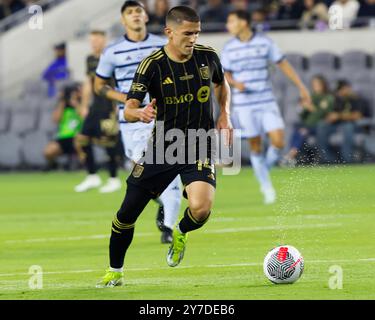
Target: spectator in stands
pixel 367 9
pixel 57 70
pixel 258 20
pixel 348 109
pixel 310 117
pixel 349 10
pixel 290 10
pixel 8 7
pixel 68 117
pixel 315 15
pixel 214 11
pixel 160 11
pixel 241 5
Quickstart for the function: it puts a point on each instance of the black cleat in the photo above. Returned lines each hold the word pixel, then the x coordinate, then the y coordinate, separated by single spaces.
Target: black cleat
pixel 160 218
pixel 167 235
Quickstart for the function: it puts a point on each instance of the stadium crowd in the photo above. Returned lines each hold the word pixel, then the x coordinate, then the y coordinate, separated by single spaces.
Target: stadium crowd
pixel 266 14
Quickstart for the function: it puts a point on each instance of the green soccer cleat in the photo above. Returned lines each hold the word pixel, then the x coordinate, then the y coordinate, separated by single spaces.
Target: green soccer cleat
pixel 177 249
pixel 111 279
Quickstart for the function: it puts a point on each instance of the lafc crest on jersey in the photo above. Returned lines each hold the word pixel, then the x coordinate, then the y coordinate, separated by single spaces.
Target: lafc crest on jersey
pixel 137 171
pixel 205 72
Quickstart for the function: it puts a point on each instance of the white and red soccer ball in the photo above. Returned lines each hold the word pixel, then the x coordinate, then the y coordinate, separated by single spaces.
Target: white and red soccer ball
pixel 283 264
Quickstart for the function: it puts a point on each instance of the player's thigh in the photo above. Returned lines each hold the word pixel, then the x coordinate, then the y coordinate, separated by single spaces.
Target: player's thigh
pixel 201 196
pixel 273 124
pixel 277 138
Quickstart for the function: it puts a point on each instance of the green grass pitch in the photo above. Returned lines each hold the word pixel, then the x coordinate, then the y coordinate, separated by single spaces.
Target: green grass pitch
pixel 328 213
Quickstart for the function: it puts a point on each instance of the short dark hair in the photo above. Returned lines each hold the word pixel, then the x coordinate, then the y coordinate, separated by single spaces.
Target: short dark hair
pixel 241 14
pixel 98 32
pixel 342 83
pixel 180 14
pixel 132 3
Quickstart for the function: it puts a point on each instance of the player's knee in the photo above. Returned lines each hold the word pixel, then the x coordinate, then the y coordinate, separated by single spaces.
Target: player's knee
pixel 200 210
pixel 49 152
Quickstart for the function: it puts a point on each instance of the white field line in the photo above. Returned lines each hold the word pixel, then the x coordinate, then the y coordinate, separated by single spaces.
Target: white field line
pixel 148 234
pixel 245 264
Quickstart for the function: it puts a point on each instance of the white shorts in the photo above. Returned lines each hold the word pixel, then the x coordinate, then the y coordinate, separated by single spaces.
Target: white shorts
pixel 256 121
pixel 135 138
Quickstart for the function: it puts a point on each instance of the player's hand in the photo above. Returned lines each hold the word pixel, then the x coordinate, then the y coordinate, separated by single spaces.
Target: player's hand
pixel 225 125
pixel 309 107
pixel 148 113
pixel 332 117
pixel 305 96
pixel 240 86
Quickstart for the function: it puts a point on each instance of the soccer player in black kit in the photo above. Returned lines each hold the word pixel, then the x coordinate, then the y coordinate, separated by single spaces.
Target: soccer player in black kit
pixel 179 78
pixel 100 125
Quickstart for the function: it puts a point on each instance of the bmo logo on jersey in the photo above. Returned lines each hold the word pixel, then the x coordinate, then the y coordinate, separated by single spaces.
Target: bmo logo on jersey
pixel 203 95
pixel 178 100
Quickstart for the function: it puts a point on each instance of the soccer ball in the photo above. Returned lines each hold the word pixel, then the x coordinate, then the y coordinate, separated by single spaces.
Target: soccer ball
pixel 283 264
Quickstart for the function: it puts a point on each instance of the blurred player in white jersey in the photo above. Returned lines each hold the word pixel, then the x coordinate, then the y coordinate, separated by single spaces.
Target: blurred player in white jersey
pixel 246 59
pixel 120 60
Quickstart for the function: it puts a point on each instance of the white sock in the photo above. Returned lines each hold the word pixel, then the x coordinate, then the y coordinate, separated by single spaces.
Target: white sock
pixel 272 156
pixel 116 270
pixel 260 170
pixel 171 199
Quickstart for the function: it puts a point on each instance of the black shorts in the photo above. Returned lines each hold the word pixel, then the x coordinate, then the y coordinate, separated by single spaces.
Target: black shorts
pixel 101 127
pixel 66 145
pixel 156 177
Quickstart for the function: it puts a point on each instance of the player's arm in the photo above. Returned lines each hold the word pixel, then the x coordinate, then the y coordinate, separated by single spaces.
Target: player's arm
pixel 103 89
pixel 223 97
pixel 87 90
pixel 104 73
pixel 133 113
pixel 290 73
pixel 58 112
pixel 222 94
pixel 233 83
pixel 137 93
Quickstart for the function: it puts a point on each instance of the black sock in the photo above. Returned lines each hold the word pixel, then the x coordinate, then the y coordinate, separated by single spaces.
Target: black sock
pixel 123 224
pixel 121 238
pixel 89 160
pixel 189 223
pixel 112 162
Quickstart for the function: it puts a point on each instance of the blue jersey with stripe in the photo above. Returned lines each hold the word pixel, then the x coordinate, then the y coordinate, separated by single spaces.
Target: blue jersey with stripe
pixel 121 59
pixel 249 62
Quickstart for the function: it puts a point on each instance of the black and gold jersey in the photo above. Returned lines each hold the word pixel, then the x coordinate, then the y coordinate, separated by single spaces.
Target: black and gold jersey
pixel 99 104
pixel 182 89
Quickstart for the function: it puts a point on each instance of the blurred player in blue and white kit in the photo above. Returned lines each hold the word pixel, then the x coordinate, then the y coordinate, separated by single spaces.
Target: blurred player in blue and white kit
pixel 246 59
pixel 120 60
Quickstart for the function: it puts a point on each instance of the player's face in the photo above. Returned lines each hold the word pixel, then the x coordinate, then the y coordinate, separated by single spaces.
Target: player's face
pixel 134 18
pixel 97 43
pixel 184 36
pixel 235 25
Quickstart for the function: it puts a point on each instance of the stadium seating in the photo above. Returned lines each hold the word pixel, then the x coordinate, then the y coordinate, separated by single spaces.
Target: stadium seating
pixel 323 60
pixel 10 155
pixel 32 148
pixel 4 120
pixel 23 121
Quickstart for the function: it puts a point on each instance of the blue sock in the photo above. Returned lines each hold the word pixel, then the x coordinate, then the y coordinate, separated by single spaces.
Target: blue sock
pixel 260 170
pixel 273 155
